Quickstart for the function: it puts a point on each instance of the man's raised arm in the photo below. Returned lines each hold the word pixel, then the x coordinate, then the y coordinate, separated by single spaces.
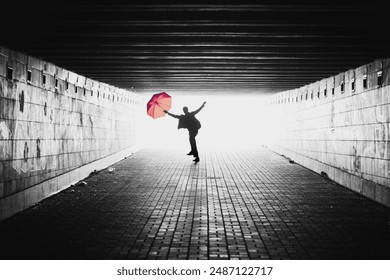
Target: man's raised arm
pixel 200 108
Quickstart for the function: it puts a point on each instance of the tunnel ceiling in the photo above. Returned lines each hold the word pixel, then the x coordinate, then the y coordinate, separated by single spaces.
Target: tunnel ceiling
pixel 266 47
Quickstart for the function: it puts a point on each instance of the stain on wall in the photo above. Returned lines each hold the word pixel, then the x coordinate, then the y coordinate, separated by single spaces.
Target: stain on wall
pixel 356 160
pixel 25 152
pixel 38 148
pixel 21 101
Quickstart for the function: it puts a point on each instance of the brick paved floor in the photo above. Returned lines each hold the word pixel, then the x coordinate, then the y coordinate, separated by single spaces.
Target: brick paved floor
pixel 247 204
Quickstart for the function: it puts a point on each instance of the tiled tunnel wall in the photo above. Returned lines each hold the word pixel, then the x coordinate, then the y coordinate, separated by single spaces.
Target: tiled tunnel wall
pixel 56 127
pixel 339 126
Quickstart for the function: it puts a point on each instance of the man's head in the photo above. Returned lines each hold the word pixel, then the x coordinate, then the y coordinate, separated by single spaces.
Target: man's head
pixel 185 110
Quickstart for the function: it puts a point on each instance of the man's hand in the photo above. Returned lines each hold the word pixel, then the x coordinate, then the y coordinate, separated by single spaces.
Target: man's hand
pixel 204 103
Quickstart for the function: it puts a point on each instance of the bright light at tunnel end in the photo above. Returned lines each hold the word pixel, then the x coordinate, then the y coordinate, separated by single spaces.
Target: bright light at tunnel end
pixel 229 120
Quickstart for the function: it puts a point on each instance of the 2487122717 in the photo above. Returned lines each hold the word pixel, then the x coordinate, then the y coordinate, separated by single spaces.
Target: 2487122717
pixel 232 270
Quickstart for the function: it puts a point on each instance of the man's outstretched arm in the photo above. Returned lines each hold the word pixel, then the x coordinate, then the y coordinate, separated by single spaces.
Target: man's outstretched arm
pixel 172 115
pixel 200 108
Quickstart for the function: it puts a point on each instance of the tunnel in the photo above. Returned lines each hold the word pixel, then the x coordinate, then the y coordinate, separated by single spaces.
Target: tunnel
pixel 293 150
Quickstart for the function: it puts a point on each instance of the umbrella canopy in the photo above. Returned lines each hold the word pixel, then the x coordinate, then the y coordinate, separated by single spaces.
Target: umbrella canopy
pixel 157 104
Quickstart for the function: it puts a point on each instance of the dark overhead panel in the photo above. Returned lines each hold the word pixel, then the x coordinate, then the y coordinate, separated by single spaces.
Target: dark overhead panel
pixel 267 47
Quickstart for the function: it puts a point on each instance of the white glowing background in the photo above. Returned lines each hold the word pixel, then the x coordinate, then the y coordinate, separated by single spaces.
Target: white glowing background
pixel 227 121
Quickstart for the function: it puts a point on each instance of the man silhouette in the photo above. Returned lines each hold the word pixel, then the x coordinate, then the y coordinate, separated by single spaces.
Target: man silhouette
pixel 189 121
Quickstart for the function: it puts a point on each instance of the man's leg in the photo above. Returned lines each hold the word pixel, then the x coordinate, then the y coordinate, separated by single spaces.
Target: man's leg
pixel 194 149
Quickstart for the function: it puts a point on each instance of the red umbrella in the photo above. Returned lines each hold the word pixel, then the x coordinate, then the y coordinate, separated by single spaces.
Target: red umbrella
pixel 157 104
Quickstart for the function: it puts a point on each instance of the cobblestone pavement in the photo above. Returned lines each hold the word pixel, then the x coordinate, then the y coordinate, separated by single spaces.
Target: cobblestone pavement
pixel 242 204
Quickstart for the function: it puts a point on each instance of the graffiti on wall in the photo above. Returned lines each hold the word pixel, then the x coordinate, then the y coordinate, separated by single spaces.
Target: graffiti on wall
pixel 20 148
pixel 27 148
pixel 27 156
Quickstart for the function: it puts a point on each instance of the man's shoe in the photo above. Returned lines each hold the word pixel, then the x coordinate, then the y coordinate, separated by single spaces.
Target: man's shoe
pixel 196 159
pixel 190 154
